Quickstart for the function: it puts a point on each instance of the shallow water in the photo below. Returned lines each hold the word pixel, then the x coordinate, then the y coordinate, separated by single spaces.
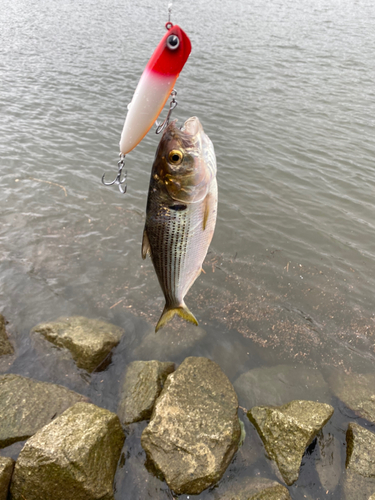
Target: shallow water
pixel 285 91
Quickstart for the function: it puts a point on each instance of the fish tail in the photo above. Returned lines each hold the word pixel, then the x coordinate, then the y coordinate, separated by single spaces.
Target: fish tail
pixel 169 312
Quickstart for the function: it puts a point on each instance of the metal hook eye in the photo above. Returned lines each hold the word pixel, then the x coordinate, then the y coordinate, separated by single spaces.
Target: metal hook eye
pixel 161 126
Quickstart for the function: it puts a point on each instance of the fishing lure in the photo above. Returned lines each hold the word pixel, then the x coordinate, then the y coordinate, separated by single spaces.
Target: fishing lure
pixel 152 92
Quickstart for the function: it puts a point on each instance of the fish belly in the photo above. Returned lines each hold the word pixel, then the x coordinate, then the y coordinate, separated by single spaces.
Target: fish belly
pixel 179 243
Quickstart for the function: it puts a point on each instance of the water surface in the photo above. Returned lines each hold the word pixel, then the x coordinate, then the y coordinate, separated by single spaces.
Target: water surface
pixel 285 91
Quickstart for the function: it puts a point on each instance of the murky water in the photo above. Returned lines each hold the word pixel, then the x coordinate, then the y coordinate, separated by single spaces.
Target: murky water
pixel 285 91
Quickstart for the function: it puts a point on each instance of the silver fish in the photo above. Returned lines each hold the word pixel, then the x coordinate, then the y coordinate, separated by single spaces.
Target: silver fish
pixel 181 213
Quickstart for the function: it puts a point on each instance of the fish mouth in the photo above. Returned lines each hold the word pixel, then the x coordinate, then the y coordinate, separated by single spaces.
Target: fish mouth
pixel 192 126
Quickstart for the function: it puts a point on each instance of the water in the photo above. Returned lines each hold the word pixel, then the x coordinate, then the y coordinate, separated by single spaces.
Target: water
pixel 285 91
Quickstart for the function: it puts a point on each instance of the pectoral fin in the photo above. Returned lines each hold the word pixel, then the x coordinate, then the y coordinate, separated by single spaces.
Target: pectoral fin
pixel 206 211
pixel 146 249
pixel 169 312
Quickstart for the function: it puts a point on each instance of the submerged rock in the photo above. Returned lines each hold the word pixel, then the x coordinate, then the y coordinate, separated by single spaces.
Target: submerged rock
pixel 257 489
pixel 357 487
pixel 360 450
pixel 6 470
pixel 194 429
pixel 142 385
pixel 287 430
pixel 357 391
pixel 73 457
pixel 6 347
pixel 277 385
pixel 330 464
pixel 90 341
pixel 169 343
pixel 26 405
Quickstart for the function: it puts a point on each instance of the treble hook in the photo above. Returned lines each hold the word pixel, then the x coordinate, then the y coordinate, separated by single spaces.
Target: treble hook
pixel 172 105
pixel 118 179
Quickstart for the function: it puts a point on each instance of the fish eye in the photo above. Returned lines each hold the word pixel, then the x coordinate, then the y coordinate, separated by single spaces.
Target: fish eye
pixel 175 156
pixel 173 42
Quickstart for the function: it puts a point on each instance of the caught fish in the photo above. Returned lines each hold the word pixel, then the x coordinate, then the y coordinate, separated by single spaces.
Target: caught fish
pixel 155 86
pixel 181 213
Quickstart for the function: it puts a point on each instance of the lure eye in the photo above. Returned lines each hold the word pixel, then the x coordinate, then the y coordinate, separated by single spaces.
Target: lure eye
pixel 173 42
pixel 175 156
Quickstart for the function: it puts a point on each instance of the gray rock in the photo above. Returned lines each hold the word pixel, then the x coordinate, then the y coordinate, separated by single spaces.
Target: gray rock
pixel 194 429
pixel 172 341
pixel 6 347
pixel 330 463
pixel 277 385
pixel 357 391
pixel 6 470
pixel 90 341
pixel 257 489
pixel 142 385
pixel 73 457
pixel 360 450
pixel 26 405
pixel 357 487
pixel 287 430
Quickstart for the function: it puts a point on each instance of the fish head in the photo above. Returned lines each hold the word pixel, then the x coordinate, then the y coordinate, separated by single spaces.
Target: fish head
pixel 180 164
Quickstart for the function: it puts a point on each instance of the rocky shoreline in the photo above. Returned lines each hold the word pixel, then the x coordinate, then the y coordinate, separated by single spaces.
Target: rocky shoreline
pixel 72 448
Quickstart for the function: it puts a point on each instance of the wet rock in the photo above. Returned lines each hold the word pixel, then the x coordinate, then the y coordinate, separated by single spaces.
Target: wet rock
pixel 142 385
pixel 6 470
pixel 75 456
pixel 357 391
pixel 257 489
pixel 280 384
pixel 26 405
pixel 287 430
pixel 360 450
pixel 6 347
pixel 330 464
pixel 194 429
pixel 90 341
pixel 357 487
pixel 169 343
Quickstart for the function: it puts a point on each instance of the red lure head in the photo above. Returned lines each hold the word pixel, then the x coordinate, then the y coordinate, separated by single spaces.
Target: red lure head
pixel 171 54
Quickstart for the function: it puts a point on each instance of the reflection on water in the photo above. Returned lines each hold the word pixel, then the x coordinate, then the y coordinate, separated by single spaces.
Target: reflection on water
pixel 285 92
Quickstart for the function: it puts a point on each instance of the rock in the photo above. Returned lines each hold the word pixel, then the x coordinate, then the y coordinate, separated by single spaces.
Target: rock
pixel 194 429
pixel 357 487
pixel 6 347
pixel 142 385
pixel 257 489
pixel 277 385
pixel 169 343
pixel 74 457
pixel 329 466
pixel 26 405
pixel 6 470
pixel 360 450
pixel 357 391
pixel 287 430
pixel 90 341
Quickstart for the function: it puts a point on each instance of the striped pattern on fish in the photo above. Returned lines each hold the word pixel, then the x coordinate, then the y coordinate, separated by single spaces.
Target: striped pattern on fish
pixel 181 213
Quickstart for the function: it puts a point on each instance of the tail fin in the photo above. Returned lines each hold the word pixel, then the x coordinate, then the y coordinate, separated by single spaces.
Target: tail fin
pixel 169 312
